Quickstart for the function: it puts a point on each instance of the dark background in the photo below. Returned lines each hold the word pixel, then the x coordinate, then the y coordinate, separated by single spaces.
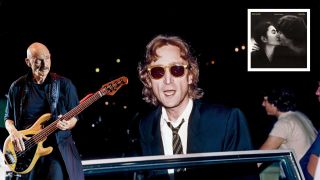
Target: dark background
pixel 83 35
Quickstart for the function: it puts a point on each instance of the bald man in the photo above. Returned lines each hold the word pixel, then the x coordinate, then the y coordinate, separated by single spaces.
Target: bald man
pixel 34 94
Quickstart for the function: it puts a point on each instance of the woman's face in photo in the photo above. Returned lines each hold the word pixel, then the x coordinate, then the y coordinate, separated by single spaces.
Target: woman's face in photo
pixel 272 36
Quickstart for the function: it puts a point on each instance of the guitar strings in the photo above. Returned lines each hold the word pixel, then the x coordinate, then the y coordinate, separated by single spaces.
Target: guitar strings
pixel 52 127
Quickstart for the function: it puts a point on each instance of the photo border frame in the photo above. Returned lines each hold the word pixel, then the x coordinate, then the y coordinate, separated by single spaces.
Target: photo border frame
pixel 249 68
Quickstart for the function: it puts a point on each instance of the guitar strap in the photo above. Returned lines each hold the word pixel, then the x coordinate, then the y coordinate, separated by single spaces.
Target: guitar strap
pixel 23 93
pixel 54 90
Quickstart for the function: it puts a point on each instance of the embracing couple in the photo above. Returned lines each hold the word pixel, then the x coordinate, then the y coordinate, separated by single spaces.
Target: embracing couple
pixel 280 45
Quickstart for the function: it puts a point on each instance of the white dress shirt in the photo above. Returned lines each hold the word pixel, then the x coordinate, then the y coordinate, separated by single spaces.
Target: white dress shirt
pixel 166 132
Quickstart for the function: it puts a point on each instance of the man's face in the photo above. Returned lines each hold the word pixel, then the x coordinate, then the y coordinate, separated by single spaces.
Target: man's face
pixel 171 91
pixel 284 41
pixel 40 63
pixel 270 108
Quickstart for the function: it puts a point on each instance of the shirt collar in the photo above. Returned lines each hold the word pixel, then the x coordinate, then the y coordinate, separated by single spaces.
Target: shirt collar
pixel 185 115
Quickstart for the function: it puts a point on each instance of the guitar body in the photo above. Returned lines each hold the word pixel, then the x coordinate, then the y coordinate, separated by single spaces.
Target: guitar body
pixel 23 162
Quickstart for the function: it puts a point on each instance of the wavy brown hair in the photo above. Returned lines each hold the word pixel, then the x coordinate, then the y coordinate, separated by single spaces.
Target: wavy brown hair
pixel 151 56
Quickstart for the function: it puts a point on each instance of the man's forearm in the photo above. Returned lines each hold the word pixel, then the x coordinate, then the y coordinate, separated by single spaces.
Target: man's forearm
pixel 10 126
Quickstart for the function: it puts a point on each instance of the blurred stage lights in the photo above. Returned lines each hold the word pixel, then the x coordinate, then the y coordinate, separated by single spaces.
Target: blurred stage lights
pixel 237 49
pixel 97 70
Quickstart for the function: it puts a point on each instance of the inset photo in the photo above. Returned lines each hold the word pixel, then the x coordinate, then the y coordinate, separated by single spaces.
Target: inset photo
pixel 278 39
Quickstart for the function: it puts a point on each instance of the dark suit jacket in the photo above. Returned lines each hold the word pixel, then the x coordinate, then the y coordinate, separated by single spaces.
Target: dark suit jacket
pixel 211 128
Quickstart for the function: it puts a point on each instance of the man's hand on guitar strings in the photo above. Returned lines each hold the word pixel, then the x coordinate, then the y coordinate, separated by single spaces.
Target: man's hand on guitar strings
pixel 17 140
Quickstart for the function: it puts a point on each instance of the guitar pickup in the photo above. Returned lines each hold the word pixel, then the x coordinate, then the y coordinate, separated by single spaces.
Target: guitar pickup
pixel 9 158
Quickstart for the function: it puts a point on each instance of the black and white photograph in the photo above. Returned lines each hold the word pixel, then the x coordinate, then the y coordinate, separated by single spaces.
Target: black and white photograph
pixel 278 40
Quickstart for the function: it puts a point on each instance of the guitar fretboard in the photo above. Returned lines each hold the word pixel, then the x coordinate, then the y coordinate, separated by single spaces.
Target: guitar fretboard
pixel 76 110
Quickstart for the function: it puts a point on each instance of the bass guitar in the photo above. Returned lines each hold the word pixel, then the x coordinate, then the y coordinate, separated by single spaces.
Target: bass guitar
pixel 23 162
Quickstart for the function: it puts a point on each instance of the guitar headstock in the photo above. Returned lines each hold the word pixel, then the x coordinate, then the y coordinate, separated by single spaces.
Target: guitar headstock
pixel 112 87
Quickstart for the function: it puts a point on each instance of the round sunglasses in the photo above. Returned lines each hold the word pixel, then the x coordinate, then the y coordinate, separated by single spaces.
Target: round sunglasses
pixel 158 71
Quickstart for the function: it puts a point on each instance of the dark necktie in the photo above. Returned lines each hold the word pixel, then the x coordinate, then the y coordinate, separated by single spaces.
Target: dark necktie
pixel 176 141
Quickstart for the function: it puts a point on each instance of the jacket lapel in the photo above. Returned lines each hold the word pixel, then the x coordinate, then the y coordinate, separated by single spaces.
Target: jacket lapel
pixel 156 141
pixel 194 129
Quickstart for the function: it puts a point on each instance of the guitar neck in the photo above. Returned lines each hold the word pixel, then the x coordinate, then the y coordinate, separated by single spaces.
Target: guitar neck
pixel 75 111
pixel 110 89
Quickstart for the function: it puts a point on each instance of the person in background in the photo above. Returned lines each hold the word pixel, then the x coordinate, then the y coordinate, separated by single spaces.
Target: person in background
pixel 311 158
pixel 293 130
pixel 181 121
pixel 34 94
